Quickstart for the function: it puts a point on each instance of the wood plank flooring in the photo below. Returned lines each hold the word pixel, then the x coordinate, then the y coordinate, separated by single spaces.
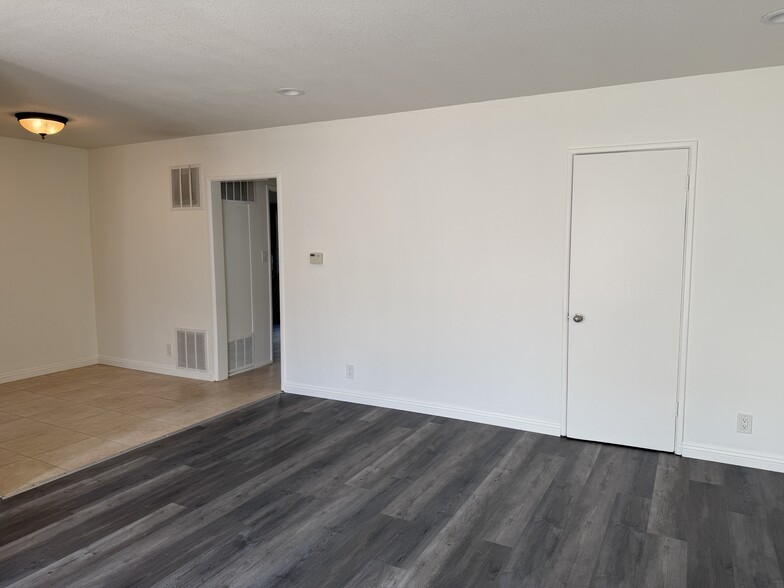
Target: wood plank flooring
pixel 296 491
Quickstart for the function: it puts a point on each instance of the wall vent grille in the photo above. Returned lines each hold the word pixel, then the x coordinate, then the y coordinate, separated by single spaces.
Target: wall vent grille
pixel 238 191
pixel 240 353
pixel 192 350
pixel 185 187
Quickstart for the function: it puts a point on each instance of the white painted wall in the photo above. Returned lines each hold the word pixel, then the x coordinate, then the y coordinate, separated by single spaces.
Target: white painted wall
pixel 443 234
pixel 47 309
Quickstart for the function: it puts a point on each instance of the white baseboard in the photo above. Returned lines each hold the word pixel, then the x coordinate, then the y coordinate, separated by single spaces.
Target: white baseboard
pixel 47 369
pixel 762 461
pixel 155 368
pixel 432 408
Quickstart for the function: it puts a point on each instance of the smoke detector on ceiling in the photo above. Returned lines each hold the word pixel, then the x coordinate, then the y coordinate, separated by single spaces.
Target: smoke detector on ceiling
pixel 290 91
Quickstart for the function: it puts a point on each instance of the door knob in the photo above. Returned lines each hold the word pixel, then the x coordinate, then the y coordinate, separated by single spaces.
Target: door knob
pixel 578 318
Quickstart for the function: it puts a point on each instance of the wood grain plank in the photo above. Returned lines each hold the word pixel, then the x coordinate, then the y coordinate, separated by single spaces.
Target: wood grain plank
pixel 621 557
pixel 708 536
pixel 579 548
pixel 754 559
pixel 519 496
pixel 418 495
pixel 459 532
pixel 670 498
pixel 665 562
pixel 67 570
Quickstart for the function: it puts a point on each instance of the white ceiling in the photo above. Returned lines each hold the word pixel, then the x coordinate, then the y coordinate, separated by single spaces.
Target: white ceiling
pixel 138 70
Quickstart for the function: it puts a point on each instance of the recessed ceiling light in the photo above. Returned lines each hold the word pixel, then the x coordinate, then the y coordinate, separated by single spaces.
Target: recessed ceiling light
pixel 775 17
pixel 290 92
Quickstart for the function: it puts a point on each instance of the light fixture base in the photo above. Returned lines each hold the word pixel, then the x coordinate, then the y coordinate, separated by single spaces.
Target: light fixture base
pixel 290 92
pixel 775 17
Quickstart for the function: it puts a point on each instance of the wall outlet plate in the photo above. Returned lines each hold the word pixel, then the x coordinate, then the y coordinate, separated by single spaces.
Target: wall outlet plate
pixel 349 371
pixel 745 422
pixel 168 350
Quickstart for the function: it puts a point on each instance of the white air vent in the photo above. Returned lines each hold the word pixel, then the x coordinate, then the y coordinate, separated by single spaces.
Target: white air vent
pixel 240 354
pixel 192 350
pixel 238 191
pixel 185 187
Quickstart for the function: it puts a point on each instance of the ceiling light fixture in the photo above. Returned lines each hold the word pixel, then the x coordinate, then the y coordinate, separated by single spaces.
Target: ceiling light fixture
pixel 775 17
pixel 290 92
pixel 41 123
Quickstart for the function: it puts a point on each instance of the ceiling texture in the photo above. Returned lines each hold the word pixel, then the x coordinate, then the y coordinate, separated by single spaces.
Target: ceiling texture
pixel 127 71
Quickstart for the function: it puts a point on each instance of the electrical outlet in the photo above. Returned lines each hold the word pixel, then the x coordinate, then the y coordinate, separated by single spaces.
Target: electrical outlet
pixel 349 371
pixel 168 350
pixel 744 423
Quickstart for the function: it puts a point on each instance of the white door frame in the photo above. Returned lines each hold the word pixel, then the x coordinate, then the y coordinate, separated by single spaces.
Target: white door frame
pixel 219 316
pixel 687 272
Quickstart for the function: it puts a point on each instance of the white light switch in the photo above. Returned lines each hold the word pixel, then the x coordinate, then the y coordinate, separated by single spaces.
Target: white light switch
pixel 316 258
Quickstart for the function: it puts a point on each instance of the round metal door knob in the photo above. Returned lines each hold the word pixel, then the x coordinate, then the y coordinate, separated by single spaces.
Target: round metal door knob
pixel 578 318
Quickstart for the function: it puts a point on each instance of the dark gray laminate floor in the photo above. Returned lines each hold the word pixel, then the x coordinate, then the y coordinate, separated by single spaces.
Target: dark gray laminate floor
pixel 296 491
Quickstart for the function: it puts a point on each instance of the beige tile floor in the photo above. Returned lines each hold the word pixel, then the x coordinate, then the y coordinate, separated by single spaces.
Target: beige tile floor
pixel 55 424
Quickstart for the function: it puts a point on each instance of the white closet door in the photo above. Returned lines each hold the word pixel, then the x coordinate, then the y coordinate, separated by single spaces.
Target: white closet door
pixel 239 301
pixel 626 281
pixel 260 266
pixel 248 305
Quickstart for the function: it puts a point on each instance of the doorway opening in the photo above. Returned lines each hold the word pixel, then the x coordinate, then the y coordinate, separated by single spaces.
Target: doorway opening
pixel 274 269
pixel 247 279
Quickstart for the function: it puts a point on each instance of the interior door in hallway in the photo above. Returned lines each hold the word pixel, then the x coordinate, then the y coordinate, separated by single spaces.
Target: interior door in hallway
pixel 246 250
pixel 625 296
